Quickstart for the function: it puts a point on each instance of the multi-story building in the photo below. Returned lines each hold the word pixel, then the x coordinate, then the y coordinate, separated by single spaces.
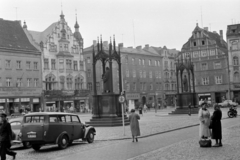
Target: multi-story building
pixel 233 40
pixel 142 74
pixel 168 71
pixel 64 76
pixel 208 52
pixel 20 70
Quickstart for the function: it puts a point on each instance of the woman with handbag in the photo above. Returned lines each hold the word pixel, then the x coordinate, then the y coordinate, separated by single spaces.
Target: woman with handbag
pixel 204 131
pixel 216 126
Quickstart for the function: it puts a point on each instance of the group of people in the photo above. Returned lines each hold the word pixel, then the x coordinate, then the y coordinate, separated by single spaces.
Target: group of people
pixel 210 126
pixel 5 138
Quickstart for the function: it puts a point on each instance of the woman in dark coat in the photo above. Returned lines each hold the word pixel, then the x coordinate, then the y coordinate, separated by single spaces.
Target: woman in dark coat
pixel 217 126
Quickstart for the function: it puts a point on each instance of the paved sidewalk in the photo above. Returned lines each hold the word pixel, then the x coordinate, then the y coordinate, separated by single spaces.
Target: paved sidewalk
pixel 150 123
pixel 190 150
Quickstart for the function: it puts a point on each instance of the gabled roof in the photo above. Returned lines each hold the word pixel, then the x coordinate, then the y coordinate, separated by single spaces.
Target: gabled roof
pixel 12 36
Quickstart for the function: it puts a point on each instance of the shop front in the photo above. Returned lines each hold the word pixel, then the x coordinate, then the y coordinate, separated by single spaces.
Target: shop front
pixel 236 93
pixel 133 100
pixel 16 100
pixel 66 101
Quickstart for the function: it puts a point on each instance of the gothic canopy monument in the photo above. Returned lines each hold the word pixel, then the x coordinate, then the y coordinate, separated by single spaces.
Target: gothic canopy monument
pixel 106 107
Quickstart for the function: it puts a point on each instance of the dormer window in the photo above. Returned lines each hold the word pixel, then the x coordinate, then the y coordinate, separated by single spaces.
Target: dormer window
pixel 203 43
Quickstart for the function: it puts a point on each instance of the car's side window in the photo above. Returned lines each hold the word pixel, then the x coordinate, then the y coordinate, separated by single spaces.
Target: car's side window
pixel 68 119
pixel 34 119
pixel 53 119
pixel 61 118
pixel 75 119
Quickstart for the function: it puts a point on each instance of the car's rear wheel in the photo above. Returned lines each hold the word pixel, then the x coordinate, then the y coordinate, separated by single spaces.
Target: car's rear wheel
pixel 63 142
pixel 27 145
pixel 36 147
pixel 90 136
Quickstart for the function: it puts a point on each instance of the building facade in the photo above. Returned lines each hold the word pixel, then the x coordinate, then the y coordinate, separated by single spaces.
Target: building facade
pixel 20 70
pixel 208 51
pixel 142 75
pixel 64 76
pixel 233 40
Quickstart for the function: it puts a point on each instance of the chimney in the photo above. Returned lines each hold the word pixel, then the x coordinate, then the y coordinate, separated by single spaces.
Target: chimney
pixel 147 46
pixel 221 33
pixel 205 28
pixel 120 45
pixel 94 42
pixel 139 47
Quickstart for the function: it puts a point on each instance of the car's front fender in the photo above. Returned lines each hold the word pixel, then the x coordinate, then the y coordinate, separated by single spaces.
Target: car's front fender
pixel 87 129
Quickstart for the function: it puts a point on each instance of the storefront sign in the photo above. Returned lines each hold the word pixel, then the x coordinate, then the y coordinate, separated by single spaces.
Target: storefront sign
pixel 20 92
pixel 236 85
pixel 132 96
pixel 68 93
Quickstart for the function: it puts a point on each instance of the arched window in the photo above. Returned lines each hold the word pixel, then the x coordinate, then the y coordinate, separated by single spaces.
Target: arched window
pixel 235 61
pixel 50 81
pixel 78 82
pixel 236 77
pixel 69 82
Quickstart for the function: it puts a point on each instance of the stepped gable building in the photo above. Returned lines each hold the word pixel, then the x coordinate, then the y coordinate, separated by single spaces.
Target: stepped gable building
pixel 141 74
pixel 168 70
pixel 64 76
pixel 233 40
pixel 20 70
pixel 208 51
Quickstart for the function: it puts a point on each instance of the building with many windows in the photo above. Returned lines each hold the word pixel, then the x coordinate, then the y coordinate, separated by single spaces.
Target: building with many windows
pixel 233 40
pixel 142 74
pixel 208 52
pixel 64 76
pixel 20 70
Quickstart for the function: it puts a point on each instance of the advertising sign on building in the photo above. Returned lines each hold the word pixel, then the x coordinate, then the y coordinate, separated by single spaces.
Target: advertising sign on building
pixel 20 92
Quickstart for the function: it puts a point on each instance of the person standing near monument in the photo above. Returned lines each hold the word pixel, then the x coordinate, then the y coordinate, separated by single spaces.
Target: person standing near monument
pixel 5 138
pixel 134 125
pixel 106 80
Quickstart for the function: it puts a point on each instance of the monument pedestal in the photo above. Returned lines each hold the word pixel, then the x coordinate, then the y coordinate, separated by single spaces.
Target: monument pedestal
pixel 107 111
pixel 184 99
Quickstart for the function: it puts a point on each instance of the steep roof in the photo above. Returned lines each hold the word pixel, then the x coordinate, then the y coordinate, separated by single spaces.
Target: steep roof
pixel 12 36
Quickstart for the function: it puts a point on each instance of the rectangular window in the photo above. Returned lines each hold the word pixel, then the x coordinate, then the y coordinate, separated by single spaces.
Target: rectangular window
pixel 144 74
pixel 140 61
pixel 19 82
pixel 134 73
pixel 90 86
pixel 134 86
pixel 19 65
pixel 61 47
pixel 156 74
pixel 155 63
pixel 46 65
pixel 8 82
pixel 150 74
pixel 218 79
pixel 140 74
pixel 28 65
pixel 89 73
pixel 69 64
pixel 35 65
pixel 98 86
pixel 66 47
pixel 75 65
pixel 8 63
pixel 53 64
pixel 35 82
pixel 205 81
pixel 149 62
pixel 145 86
pixel 204 66
pixel 69 83
pixel 127 73
pixel 88 60
pixel 217 65
pixel 61 64
pixel 151 86
pixel 143 62
pixel 128 87
pixel 28 82
pixel 133 61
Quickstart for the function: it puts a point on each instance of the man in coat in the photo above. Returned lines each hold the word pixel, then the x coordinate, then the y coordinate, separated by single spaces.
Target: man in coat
pixel 5 138
pixel 217 126
pixel 133 118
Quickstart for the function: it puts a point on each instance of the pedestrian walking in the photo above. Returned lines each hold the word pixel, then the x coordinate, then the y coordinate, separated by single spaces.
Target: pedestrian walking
pixel 190 109
pixel 204 117
pixel 140 109
pixel 134 125
pixel 5 138
pixel 216 126
pixel 145 108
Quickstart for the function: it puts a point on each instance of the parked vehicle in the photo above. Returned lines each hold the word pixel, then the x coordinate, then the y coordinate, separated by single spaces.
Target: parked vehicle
pixel 43 128
pixel 232 112
pixel 227 103
pixel 16 124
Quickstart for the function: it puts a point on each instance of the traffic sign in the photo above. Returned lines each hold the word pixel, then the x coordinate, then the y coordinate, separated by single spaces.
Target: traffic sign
pixel 121 99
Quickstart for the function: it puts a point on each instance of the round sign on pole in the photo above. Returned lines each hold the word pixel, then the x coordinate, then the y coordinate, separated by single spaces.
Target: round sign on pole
pixel 121 99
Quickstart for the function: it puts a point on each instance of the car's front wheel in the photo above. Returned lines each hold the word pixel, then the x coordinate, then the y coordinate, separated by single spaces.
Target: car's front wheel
pixel 63 142
pixel 27 145
pixel 36 147
pixel 90 136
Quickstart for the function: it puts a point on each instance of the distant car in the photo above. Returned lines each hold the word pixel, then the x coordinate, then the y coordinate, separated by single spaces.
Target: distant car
pixel 43 128
pixel 227 103
pixel 16 124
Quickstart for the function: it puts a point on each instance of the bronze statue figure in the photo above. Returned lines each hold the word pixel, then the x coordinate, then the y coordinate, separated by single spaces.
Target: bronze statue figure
pixel 106 80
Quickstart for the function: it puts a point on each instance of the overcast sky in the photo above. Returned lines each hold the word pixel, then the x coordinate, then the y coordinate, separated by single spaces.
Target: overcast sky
pixel 153 22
